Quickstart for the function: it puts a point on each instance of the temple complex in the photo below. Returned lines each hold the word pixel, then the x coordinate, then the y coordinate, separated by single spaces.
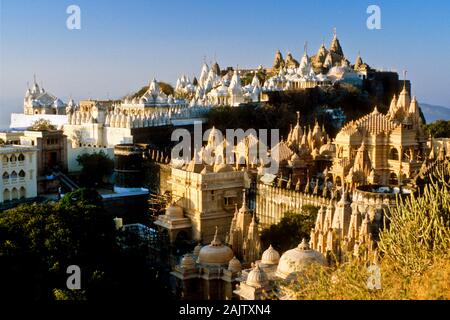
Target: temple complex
pixel 381 149
pixel 39 101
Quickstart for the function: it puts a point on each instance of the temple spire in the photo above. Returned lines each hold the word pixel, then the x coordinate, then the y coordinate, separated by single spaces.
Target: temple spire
pixel 404 79
pixel 216 241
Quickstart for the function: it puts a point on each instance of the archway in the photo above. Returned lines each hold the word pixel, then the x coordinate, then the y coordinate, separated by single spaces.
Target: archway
pixel 393 154
pixel 393 180
pixel 181 243
pixel 22 193
pixel 14 194
pixel 338 181
pixel 6 195
pixel 182 236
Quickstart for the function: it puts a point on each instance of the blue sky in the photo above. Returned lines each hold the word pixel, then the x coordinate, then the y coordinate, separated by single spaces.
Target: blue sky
pixel 123 44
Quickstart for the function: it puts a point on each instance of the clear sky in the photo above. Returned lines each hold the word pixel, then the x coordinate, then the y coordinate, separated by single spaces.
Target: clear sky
pixel 123 44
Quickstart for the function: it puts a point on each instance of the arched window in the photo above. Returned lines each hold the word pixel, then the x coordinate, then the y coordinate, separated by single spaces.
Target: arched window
pixel 14 194
pixel 393 154
pixel 14 176
pixel 5 160
pixel 13 158
pixel 6 195
pixel 5 176
pixel 338 181
pixel 22 174
pixel 393 180
pixel 22 193
pixel 21 157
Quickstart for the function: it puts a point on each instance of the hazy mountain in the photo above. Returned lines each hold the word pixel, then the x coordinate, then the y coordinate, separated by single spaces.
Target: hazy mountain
pixel 433 113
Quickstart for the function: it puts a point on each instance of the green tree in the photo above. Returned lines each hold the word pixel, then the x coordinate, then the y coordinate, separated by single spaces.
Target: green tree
pixel 297 225
pixel 39 241
pixel 42 125
pixel 95 167
pixel 164 86
pixel 439 129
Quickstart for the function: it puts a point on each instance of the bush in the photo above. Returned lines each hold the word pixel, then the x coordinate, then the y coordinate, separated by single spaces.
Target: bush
pixel 95 167
pixel 439 129
pixel 42 125
pixel 296 225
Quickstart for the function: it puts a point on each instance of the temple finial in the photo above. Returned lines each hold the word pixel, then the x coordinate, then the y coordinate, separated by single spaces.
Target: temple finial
pixel 404 78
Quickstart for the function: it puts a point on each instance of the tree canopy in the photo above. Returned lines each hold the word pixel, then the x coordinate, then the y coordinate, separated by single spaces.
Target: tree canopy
pixel 95 167
pixel 297 225
pixel 39 241
pixel 42 125
pixel 439 129
pixel 165 87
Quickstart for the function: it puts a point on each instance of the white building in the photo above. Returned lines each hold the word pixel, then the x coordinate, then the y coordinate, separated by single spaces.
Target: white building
pixel 39 104
pixel 100 126
pixel 213 89
pixel 38 101
pixel 18 168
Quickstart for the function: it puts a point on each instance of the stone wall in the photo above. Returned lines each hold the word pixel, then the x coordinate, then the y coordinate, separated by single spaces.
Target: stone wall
pixel 272 203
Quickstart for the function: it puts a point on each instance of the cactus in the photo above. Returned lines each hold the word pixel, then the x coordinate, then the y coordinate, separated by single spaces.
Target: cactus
pixel 418 228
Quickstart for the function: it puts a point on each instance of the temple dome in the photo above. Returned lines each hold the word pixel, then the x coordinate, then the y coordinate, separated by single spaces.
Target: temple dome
pixel 296 259
pixel 215 253
pixel 222 167
pixel 197 249
pixel 337 73
pixel 187 262
pixel 234 265
pixel 270 256
pixel 257 277
pixel 174 211
pixel 328 149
